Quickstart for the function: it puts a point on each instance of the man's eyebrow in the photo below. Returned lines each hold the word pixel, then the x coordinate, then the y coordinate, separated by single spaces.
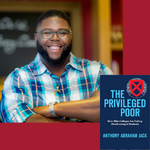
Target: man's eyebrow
pixel 52 29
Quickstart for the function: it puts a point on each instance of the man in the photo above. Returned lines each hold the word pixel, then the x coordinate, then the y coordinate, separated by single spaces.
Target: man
pixel 56 75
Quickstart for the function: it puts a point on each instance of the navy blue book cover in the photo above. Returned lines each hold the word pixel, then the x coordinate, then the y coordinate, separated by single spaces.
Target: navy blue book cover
pixel 125 112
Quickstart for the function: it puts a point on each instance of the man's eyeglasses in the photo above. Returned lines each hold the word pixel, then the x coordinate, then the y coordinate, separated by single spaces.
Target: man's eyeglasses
pixel 48 33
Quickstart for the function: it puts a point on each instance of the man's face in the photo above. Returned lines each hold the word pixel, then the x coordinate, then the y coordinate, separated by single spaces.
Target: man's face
pixel 54 50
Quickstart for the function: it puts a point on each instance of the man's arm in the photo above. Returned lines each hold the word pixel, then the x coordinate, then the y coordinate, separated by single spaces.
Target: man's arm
pixel 37 118
pixel 88 109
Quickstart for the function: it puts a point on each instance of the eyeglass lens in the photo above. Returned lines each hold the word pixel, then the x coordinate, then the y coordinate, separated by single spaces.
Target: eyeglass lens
pixel 49 34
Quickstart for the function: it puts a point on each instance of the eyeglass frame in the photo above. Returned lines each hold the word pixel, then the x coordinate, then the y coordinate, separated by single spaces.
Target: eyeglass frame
pixel 55 32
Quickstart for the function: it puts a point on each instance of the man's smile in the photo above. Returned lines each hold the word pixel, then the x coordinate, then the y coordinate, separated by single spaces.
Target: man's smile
pixel 55 48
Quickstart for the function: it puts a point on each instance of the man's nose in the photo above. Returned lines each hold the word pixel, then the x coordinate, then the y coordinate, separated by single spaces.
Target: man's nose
pixel 55 37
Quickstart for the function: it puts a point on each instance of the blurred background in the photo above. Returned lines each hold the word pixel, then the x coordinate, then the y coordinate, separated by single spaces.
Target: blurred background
pixel 96 25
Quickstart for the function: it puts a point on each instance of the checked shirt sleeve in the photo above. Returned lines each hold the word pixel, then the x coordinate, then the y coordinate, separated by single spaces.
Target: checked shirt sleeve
pixel 104 70
pixel 16 101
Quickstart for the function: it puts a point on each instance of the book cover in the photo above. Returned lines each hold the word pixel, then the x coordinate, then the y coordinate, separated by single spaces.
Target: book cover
pixel 125 112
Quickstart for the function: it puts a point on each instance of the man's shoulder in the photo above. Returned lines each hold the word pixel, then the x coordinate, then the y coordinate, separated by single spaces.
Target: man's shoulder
pixel 93 65
pixel 89 63
pixel 23 72
pixel 82 61
pixel 28 68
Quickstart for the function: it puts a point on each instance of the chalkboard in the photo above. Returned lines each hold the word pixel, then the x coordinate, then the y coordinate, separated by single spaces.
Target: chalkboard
pixel 17 45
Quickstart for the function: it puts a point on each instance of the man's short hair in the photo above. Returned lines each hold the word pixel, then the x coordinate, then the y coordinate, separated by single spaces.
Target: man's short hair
pixel 53 13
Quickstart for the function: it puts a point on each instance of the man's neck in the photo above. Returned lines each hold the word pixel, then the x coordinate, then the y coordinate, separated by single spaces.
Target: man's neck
pixel 56 70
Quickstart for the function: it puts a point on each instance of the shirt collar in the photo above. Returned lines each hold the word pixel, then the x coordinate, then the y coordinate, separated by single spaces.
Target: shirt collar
pixel 39 68
pixel 76 63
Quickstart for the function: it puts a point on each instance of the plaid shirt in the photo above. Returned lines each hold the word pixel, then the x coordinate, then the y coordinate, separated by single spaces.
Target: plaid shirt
pixel 34 85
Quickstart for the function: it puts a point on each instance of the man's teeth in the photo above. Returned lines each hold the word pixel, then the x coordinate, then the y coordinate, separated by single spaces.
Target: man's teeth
pixel 54 47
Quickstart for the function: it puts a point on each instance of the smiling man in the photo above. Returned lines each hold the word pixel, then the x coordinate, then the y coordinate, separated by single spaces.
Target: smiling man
pixel 56 86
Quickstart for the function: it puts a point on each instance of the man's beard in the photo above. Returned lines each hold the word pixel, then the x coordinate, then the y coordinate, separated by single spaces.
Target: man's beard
pixel 54 62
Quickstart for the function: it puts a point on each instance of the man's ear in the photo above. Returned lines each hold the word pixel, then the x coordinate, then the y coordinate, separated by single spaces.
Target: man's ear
pixel 70 36
pixel 35 37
